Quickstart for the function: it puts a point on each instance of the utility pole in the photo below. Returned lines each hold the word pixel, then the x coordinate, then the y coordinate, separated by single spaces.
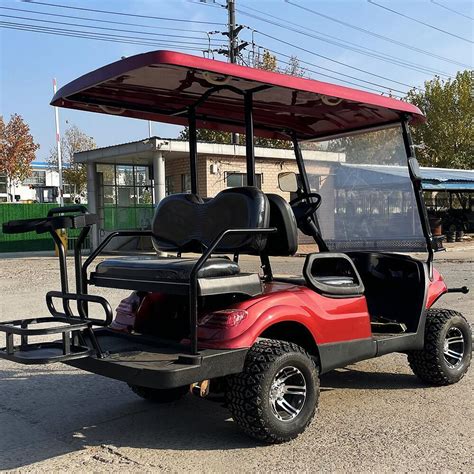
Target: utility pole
pixel 232 30
pixel 58 147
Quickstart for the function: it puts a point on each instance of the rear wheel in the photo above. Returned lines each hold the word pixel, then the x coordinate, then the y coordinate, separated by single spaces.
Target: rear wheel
pixel 156 395
pixel 275 397
pixel 448 348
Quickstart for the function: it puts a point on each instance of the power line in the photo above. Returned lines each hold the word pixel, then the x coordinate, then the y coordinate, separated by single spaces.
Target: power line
pixel 109 12
pixel 140 25
pixel 305 62
pixel 340 43
pixel 376 35
pixel 428 25
pixel 51 31
pixel 452 10
pixel 103 36
pixel 337 62
pixel 304 69
pixel 101 27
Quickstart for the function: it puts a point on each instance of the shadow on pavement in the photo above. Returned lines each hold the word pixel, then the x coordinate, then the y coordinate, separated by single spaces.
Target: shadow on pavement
pixel 349 378
pixel 52 414
pixel 49 413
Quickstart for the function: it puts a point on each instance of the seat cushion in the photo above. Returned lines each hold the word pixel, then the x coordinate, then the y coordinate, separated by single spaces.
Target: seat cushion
pixel 158 269
pixel 187 223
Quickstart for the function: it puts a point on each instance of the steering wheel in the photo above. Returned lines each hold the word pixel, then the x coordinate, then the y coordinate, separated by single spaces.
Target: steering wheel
pixel 312 206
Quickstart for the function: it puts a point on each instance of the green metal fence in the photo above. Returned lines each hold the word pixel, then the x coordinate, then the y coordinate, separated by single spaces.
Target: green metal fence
pixel 29 241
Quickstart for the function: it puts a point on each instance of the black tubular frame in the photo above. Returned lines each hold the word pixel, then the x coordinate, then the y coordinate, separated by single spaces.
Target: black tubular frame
pixel 249 143
pixel 249 130
pixel 193 290
pixel 410 152
pixel 193 279
pixel 193 158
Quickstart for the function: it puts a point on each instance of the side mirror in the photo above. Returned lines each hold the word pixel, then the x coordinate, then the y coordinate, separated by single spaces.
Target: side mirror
pixel 288 182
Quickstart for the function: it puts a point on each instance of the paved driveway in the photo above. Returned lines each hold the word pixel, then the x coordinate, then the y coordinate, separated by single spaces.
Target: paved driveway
pixel 374 415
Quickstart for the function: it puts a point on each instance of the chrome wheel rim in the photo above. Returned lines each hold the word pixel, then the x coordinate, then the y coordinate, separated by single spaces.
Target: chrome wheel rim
pixel 288 393
pixel 453 349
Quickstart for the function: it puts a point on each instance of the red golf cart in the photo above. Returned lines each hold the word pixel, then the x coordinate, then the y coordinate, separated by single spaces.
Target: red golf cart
pixel 259 338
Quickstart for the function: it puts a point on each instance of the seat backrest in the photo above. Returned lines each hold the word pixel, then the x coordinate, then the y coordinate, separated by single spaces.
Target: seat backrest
pixel 187 223
pixel 285 241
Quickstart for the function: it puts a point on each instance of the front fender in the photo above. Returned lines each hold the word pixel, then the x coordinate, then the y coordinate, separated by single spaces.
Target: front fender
pixel 436 288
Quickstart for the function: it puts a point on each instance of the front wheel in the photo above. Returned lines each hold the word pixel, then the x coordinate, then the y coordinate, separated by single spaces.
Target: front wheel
pixel 447 353
pixel 275 397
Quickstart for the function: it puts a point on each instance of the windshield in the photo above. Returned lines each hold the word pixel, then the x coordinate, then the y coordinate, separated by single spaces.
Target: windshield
pixel 368 201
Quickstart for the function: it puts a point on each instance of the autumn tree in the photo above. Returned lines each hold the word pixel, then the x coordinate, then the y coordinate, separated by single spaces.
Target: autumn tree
pixel 446 140
pixel 268 62
pixel 17 150
pixel 74 141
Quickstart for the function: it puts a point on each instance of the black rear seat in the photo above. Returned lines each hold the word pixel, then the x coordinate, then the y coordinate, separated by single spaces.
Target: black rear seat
pixel 186 223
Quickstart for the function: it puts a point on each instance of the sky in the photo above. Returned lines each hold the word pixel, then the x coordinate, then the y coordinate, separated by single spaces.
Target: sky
pixel 30 60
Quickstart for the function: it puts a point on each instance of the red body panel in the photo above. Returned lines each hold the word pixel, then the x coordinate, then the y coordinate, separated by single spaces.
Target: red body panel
pixel 437 287
pixel 327 319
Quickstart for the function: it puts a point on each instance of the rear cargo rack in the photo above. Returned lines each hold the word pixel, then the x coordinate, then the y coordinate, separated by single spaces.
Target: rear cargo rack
pixel 68 348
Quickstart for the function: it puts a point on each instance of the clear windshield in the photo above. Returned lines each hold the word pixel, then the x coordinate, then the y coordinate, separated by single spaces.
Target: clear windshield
pixel 368 201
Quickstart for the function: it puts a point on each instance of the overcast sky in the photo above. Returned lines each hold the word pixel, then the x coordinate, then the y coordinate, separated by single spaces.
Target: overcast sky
pixel 30 60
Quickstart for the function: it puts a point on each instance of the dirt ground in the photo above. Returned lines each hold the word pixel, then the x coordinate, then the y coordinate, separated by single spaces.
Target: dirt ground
pixel 373 415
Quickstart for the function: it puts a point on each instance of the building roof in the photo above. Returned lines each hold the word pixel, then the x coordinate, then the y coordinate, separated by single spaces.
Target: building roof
pixel 141 152
pixel 162 85
pixel 447 179
pixel 433 179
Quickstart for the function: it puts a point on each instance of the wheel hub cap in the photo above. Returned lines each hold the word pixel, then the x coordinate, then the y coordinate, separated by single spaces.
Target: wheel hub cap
pixel 288 393
pixel 453 348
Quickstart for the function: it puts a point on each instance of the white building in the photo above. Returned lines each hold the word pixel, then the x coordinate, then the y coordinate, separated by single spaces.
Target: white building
pixel 41 186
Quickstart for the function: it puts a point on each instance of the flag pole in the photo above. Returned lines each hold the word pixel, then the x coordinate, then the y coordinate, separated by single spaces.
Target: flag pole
pixel 58 147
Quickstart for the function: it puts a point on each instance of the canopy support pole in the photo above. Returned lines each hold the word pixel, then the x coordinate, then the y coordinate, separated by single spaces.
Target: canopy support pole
pixel 410 152
pixel 249 145
pixel 193 149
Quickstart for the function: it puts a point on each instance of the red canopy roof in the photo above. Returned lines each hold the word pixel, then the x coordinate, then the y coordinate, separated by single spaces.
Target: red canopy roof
pixel 159 85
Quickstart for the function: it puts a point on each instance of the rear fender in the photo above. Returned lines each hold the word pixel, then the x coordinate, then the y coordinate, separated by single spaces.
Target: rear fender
pixel 247 332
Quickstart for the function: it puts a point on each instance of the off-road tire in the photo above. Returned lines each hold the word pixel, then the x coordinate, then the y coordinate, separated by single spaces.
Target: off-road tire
pixel 156 395
pixel 248 394
pixel 429 363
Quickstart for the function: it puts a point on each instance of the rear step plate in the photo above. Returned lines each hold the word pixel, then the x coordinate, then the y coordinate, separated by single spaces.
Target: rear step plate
pixel 158 364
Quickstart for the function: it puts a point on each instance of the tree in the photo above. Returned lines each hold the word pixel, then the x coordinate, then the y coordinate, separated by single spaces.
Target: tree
pixel 74 141
pixel 268 62
pixel 380 147
pixel 446 140
pixel 17 150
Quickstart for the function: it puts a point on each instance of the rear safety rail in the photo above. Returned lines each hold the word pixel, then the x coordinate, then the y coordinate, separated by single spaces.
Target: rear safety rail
pixel 26 352
pixel 83 300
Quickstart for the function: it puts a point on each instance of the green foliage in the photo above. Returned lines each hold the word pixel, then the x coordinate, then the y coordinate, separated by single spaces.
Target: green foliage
pixel 382 147
pixel 447 138
pixel 74 141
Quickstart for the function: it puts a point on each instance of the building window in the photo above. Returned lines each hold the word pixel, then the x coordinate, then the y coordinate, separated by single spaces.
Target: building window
pixel 3 184
pixel 125 197
pixel 37 178
pixel 169 189
pixel 235 179
pixel 186 183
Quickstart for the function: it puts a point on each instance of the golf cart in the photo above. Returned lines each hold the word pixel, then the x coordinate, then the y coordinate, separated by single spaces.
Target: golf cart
pixel 259 338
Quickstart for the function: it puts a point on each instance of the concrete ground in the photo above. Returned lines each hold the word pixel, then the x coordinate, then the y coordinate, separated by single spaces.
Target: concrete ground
pixel 373 415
